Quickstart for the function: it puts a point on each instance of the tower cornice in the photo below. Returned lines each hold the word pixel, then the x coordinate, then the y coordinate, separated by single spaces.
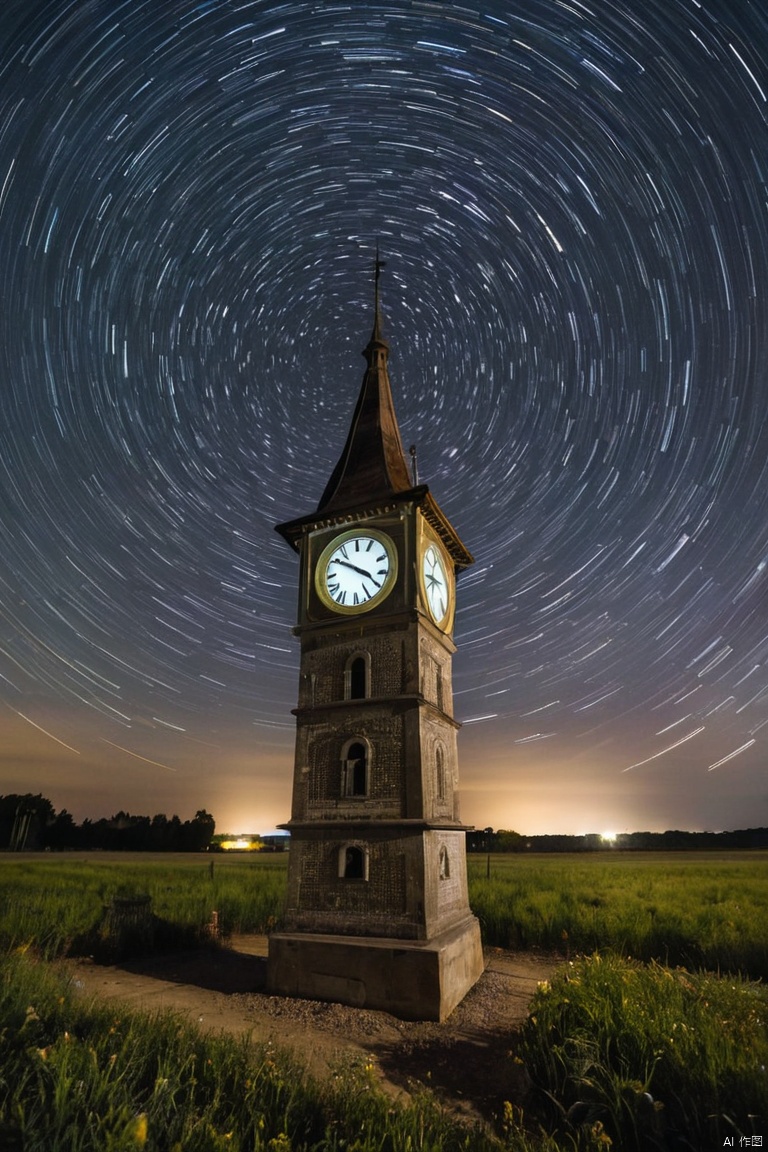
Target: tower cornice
pixel 293 530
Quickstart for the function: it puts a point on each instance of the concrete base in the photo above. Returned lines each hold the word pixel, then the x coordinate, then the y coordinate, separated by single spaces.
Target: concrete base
pixel 415 980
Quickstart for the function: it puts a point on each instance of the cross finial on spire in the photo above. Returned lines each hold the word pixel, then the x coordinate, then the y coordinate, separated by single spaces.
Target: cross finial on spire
pixel 378 265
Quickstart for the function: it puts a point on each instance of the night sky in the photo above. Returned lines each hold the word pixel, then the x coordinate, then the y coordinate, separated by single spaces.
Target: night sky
pixel 572 201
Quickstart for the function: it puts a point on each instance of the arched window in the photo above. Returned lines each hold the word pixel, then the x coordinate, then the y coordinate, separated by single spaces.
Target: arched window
pixel 444 863
pixel 355 763
pixel 440 772
pixel 353 862
pixel 357 677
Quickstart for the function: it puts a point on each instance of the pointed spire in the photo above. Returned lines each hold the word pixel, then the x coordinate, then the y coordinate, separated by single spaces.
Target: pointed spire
pixel 373 464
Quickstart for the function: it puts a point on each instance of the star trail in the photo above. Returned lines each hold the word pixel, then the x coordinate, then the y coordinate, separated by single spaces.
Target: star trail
pixel 571 200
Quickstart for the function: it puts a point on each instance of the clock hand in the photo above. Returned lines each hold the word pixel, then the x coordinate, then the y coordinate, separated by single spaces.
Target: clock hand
pixel 360 571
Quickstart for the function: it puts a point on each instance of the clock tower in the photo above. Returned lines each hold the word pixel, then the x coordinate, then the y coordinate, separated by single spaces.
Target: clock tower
pixel 377 913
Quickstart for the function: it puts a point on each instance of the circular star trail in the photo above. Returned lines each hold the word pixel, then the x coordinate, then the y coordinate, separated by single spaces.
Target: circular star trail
pixel 571 200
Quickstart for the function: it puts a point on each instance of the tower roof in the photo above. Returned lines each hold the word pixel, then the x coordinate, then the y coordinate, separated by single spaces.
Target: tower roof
pixel 372 472
pixel 372 464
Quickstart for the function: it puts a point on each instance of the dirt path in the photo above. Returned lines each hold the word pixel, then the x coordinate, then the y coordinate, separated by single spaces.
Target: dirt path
pixel 466 1059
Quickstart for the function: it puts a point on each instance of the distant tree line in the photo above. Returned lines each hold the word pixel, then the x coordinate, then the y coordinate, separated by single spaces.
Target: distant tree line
pixel 31 823
pixel 486 840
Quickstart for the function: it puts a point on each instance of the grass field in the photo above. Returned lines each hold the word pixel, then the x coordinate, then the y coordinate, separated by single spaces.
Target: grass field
pixel 705 910
pixel 626 1048
pixel 57 903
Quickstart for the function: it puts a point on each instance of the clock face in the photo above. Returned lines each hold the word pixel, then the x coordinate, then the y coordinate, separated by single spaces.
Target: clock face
pixel 436 584
pixel 356 571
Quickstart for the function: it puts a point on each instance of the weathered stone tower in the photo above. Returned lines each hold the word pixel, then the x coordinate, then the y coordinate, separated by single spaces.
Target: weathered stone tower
pixel 377 911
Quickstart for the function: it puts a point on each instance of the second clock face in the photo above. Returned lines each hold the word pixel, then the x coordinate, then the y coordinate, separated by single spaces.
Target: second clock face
pixel 356 570
pixel 436 584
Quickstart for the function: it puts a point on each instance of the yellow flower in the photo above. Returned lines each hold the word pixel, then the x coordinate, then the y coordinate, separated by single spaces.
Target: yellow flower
pixel 139 1133
pixel 280 1143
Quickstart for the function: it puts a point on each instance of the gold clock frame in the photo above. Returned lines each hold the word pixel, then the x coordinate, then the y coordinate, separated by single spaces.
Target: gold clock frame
pixel 321 567
pixel 446 621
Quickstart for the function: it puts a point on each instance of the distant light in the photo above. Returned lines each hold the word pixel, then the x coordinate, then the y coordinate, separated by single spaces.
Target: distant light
pixel 609 837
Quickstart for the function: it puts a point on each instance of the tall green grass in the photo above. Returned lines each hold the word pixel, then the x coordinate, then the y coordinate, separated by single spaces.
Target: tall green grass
pixel 696 909
pixel 655 1058
pixel 57 903
pixel 700 910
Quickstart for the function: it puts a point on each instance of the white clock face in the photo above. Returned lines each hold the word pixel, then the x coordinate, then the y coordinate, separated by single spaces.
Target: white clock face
pixel 436 584
pixel 356 570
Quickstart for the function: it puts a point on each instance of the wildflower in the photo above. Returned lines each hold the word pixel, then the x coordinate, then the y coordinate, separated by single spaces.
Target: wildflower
pixel 512 1119
pixel 280 1143
pixel 139 1133
pixel 600 1136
